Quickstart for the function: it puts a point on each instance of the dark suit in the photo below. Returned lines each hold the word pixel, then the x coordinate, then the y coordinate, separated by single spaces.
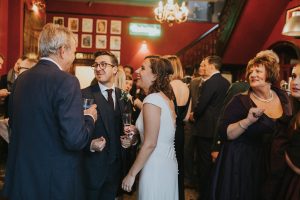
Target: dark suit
pixel 191 135
pixel 206 114
pixel 103 170
pixel 48 130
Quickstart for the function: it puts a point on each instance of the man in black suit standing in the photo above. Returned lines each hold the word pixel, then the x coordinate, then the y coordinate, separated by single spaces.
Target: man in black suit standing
pixel 49 126
pixel 103 170
pixel 205 114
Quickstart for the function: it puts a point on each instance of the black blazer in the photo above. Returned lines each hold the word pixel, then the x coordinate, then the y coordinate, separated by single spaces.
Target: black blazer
pixel 96 163
pixel 48 132
pixel 209 104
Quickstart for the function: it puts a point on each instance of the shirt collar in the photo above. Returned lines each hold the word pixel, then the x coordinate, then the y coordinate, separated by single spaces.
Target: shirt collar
pixel 51 60
pixel 103 88
pixel 216 72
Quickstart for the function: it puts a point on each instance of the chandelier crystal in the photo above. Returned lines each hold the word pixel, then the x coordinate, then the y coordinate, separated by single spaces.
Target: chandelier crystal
pixel 171 12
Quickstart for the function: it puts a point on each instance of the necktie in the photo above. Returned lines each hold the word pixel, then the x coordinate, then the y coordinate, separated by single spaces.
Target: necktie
pixel 109 98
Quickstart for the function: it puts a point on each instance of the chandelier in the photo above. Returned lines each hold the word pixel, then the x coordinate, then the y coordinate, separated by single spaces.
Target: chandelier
pixel 171 12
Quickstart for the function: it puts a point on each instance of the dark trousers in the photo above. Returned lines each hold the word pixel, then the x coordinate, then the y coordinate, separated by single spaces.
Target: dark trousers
pixel 108 190
pixel 205 166
pixel 191 159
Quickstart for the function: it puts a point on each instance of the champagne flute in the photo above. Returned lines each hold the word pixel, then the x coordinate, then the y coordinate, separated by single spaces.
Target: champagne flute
pixel 127 123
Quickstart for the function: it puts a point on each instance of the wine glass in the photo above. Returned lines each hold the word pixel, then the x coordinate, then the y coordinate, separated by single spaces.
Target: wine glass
pixel 87 103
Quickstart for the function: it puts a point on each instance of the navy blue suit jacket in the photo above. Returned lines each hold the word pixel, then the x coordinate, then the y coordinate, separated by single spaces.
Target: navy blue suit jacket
pixel 48 132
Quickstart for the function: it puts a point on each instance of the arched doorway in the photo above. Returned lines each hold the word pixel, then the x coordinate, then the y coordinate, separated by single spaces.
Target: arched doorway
pixel 289 54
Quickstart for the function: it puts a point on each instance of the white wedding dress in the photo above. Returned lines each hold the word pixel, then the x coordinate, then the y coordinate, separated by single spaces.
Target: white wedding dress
pixel 159 177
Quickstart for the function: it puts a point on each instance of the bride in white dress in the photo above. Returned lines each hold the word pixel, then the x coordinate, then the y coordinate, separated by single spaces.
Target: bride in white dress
pixel 156 124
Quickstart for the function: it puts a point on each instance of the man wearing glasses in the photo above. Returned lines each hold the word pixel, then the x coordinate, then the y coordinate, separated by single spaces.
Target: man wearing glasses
pixel 103 170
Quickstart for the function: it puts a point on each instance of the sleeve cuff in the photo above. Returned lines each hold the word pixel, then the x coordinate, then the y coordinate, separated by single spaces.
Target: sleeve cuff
pixel 90 116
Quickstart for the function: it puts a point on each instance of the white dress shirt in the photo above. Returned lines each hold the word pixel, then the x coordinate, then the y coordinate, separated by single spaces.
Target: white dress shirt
pixel 103 89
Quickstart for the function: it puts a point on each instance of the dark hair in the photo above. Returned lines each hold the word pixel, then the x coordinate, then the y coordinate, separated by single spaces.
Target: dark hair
pixel 152 56
pixel 189 70
pixel 1 56
pixel 128 77
pixel 163 70
pixel 272 68
pixel 113 58
pixel 214 60
pixel 129 67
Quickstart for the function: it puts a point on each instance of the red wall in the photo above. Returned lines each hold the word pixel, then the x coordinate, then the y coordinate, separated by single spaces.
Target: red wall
pixel 253 29
pixel 172 39
pixel 3 31
pixel 11 31
pixel 276 35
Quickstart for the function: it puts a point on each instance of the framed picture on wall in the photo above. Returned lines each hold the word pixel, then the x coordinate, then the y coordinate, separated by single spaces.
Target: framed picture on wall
pixel 73 24
pixel 117 54
pixel 87 25
pixel 115 27
pixel 76 38
pixel 86 41
pixel 115 42
pixel 101 41
pixel 59 21
pixel 101 26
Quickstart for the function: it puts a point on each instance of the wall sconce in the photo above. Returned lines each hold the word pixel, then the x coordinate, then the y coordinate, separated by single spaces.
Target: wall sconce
pixel 292 25
pixel 38 5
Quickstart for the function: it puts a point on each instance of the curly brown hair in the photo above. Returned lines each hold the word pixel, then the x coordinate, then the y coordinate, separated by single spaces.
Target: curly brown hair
pixel 271 65
pixel 163 70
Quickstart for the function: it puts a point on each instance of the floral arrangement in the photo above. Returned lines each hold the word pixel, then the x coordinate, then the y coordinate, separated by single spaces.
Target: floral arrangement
pixel 125 96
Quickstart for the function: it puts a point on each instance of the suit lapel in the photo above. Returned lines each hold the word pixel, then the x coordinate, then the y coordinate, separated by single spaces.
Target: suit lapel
pixel 101 106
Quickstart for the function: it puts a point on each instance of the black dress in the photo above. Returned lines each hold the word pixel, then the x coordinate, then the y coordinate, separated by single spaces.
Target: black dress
pixel 181 112
pixel 290 184
pixel 243 164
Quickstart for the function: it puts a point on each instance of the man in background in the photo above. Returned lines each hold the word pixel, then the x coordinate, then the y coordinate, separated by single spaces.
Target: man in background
pixel 206 114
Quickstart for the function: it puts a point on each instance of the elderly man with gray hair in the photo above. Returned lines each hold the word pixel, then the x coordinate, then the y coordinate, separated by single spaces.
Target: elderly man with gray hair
pixel 49 125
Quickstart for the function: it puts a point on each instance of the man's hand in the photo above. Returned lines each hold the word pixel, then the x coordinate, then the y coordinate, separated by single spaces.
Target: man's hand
pixel 214 155
pixel 191 118
pixel 98 144
pixel 92 111
pixel 4 93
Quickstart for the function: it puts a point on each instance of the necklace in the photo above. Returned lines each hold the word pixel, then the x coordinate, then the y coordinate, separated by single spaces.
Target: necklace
pixel 264 100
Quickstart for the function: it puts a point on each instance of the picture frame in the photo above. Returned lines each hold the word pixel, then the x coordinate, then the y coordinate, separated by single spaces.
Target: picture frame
pixel 73 24
pixel 115 42
pixel 59 20
pixel 86 41
pixel 101 42
pixel 115 27
pixel 87 25
pixel 117 54
pixel 101 26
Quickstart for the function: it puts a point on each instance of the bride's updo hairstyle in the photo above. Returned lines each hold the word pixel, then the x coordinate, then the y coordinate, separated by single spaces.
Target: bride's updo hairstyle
pixel 162 68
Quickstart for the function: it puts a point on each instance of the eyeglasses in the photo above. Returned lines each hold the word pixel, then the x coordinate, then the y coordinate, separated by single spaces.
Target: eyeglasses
pixel 102 65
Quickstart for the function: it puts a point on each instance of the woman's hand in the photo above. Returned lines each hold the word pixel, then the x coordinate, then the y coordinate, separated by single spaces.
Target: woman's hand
pixel 254 114
pixel 128 182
